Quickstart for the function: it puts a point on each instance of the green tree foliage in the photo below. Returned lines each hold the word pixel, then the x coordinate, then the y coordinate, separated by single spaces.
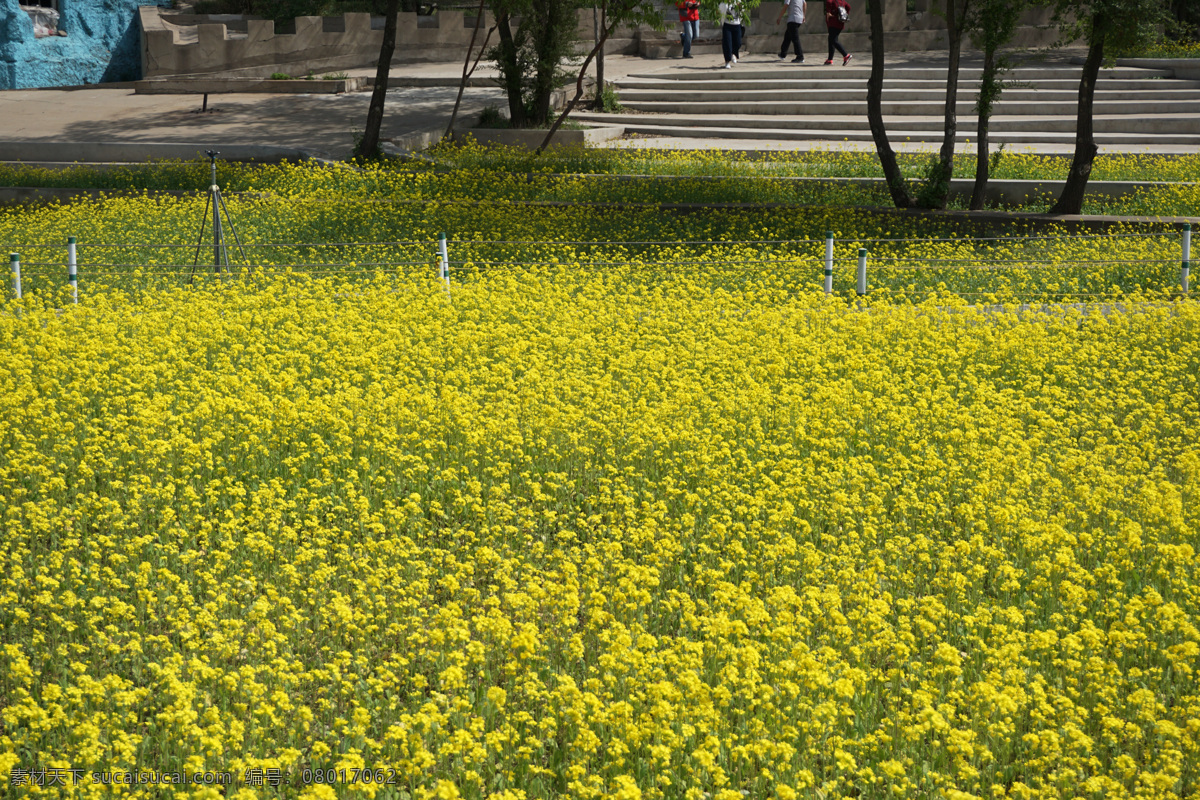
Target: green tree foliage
pixel 537 37
pixel 710 9
pixel 615 13
pixel 1185 15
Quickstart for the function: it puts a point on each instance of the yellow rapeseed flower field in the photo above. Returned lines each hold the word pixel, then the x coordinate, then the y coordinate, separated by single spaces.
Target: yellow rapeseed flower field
pixel 631 510
pixel 568 532
pixel 142 241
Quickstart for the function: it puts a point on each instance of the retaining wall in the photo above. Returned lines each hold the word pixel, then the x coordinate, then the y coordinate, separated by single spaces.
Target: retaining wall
pixel 1186 68
pixel 175 44
pixel 903 31
pixel 189 44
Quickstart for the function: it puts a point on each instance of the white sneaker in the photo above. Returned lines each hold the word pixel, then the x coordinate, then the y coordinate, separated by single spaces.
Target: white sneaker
pixel 728 65
pixel 735 59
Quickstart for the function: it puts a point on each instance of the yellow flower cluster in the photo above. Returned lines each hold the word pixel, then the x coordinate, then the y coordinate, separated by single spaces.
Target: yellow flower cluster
pixel 1171 49
pixel 469 156
pixel 145 240
pixel 818 162
pixel 565 533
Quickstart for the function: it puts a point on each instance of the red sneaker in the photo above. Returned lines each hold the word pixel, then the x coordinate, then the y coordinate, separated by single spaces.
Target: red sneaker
pixel 830 61
pixel 847 58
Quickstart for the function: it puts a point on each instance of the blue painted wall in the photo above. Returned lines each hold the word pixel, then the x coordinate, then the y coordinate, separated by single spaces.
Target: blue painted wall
pixel 103 43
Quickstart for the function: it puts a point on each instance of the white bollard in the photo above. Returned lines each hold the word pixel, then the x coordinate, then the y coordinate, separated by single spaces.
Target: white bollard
pixel 72 278
pixel 15 260
pixel 1185 271
pixel 443 261
pixel 828 262
pixel 862 271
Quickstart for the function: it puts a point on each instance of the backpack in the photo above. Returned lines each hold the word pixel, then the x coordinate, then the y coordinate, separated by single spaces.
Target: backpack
pixel 843 11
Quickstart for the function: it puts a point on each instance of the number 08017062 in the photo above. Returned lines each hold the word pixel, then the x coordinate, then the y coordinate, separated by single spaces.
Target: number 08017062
pixel 379 776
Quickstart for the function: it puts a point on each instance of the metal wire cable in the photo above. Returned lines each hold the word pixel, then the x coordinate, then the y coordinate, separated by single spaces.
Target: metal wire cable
pixel 1020 260
pixel 1040 238
pixel 139 267
pixel 145 246
pixel 428 242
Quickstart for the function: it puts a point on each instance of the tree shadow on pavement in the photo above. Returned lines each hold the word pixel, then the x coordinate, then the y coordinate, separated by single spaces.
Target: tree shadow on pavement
pixel 319 123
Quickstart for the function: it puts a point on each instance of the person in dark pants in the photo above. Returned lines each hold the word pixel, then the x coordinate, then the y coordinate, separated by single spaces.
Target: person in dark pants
pixel 795 14
pixel 836 14
pixel 731 31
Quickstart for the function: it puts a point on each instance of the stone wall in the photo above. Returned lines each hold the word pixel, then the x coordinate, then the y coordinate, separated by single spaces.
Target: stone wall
pixel 188 44
pixel 175 44
pixel 904 30
pixel 102 44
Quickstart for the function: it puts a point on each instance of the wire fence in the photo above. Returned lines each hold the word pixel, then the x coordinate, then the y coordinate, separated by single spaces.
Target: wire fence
pixel 1034 266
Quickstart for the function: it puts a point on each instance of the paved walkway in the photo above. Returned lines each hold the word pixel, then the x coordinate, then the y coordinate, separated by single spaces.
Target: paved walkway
pixel 322 124
pixel 327 124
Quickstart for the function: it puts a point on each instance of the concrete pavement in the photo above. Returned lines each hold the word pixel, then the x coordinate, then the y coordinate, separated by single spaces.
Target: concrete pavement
pixel 326 125
pixel 322 124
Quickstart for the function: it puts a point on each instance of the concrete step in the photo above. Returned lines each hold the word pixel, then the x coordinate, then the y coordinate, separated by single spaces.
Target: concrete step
pixel 916 107
pixel 818 93
pixel 1180 124
pixel 792 102
pixel 901 135
pixel 803 76
pixel 858 69
pixel 1175 123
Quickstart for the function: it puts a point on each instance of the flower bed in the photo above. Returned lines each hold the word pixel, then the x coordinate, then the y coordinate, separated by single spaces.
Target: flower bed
pixel 567 533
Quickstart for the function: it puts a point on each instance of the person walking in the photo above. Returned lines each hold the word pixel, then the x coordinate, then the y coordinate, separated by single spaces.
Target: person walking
pixel 731 30
pixel 689 17
pixel 836 14
pixel 795 14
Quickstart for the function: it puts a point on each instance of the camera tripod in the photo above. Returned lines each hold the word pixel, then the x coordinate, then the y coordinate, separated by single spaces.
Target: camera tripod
pixel 217 202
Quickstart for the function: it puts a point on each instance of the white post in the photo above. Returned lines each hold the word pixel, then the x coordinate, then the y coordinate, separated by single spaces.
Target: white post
pixel 862 271
pixel 1185 272
pixel 218 244
pixel 15 260
pixel 828 262
pixel 443 261
pixel 72 278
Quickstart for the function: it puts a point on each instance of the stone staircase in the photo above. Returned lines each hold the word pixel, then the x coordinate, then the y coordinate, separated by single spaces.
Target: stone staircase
pixel 803 102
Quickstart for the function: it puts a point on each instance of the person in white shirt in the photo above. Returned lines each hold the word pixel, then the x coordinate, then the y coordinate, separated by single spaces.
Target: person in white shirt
pixel 731 30
pixel 795 14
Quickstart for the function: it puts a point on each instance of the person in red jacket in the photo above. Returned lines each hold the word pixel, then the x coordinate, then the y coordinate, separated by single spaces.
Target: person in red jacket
pixel 836 14
pixel 689 17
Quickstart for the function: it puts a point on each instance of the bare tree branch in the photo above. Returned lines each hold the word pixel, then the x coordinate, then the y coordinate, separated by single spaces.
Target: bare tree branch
pixel 449 134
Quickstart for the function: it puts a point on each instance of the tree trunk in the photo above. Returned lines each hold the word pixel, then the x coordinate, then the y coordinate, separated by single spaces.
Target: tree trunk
pixel 598 48
pixel 897 186
pixel 939 191
pixel 988 89
pixel 510 71
pixel 543 73
pixel 548 43
pixel 600 54
pixel 467 69
pixel 368 146
pixel 1071 199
